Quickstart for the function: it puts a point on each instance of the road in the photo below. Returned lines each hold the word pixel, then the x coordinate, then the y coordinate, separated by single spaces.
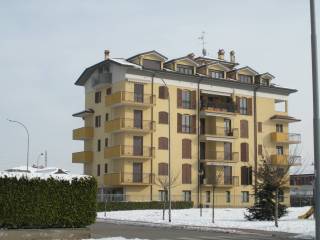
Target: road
pixel 110 229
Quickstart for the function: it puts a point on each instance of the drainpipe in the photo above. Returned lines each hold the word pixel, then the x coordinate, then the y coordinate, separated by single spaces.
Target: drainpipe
pixel 255 89
pixel 151 169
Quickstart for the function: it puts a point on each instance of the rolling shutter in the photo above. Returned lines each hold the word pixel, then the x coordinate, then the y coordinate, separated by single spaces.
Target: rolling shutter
pixel 179 98
pixel 193 99
pixel 186 148
pixel 179 123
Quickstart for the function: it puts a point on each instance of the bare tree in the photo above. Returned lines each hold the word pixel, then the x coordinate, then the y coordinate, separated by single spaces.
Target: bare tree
pixel 163 182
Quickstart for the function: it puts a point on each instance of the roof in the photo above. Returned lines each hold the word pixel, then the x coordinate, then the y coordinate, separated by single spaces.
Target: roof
pixel 246 67
pixel 148 52
pixel 284 118
pixel 216 63
pixel 266 74
pixel 219 60
pixel 83 113
pixel 182 58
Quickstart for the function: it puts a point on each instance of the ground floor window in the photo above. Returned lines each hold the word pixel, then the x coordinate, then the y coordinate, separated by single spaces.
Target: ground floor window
pixel 281 196
pixel 228 196
pixel 245 196
pixel 187 196
pixel 163 195
pixel 207 196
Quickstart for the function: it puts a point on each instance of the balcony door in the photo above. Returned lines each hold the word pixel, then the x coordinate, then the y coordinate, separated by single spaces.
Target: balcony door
pixel 227 127
pixel 227 171
pixel 137 119
pixel 138 92
pixel 137 172
pixel 202 126
pixel 227 151
pixel 202 150
pixel 137 145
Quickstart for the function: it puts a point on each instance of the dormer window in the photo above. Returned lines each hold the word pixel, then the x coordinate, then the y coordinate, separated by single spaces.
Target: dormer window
pixel 245 78
pixel 152 64
pixel 185 69
pixel 264 82
pixel 217 74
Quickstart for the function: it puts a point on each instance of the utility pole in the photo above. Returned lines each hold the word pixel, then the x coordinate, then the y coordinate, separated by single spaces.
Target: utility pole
pixel 316 118
pixel 45 158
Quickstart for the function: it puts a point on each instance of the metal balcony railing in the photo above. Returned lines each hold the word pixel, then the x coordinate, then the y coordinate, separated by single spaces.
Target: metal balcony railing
pixel 125 123
pixel 219 155
pixel 221 131
pixel 220 107
pixel 128 151
pixel 128 178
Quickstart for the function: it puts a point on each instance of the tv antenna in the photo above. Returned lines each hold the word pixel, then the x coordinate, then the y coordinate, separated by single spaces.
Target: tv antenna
pixel 204 51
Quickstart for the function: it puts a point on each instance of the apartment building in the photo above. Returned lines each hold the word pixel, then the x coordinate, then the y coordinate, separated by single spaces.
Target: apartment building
pixel 221 117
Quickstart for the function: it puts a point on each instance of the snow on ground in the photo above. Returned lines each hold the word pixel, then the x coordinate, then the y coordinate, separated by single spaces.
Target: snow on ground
pixel 224 218
pixel 113 238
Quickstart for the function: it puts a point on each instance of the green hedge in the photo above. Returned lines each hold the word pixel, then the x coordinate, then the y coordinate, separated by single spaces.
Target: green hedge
pixel 116 206
pixel 51 203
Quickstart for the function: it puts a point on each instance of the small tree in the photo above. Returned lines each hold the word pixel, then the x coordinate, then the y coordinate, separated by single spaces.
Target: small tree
pixel 272 178
pixel 163 182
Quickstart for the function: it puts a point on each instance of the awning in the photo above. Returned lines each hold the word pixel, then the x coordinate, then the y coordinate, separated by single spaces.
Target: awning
pixel 84 113
pixel 216 93
pixel 284 118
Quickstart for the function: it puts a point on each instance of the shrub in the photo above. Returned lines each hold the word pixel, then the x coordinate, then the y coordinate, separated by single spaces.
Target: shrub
pixel 117 206
pixel 47 203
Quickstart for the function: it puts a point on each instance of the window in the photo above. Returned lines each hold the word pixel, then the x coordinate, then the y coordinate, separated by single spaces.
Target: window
pixel 245 196
pixel 245 78
pixel 260 149
pixel 228 196
pixel 186 196
pixel 202 150
pixel 281 196
pixel 163 92
pixel 97 97
pixel 279 128
pixel 227 175
pixel 152 64
pixel 137 119
pixel 163 169
pixel 106 142
pixel 163 196
pixel 107 117
pixel 108 91
pixel 246 175
pixel 106 168
pixel 279 150
pixel 98 121
pixel 163 143
pixel 138 92
pixel 244 106
pixel 227 127
pixel 137 145
pixel 137 172
pixel 186 123
pixel 185 69
pixel 217 74
pixel 163 117
pixel 99 145
pixel 208 196
pixel 265 82
pixel 244 152
pixel 244 129
pixel 260 127
pixel 186 148
pixel 186 99
pixel 186 174
pixel 98 170
pixel 227 151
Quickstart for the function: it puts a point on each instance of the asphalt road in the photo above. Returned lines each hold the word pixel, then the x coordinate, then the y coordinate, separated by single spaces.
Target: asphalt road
pixel 110 229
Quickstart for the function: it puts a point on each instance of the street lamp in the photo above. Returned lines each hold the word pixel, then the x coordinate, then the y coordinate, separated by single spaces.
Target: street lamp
pixel 25 128
pixel 41 154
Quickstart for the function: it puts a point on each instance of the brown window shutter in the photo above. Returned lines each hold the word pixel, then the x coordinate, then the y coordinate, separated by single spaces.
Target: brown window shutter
pixel 238 104
pixel 163 143
pixel 259 126
pixel 186 174
pixel 194 124
pixel 179 98
pixel 260 149
pixel 250 176
pixel 163 117
pixel 186 148
pixel 193 99
pixel 244 152
pixel 163 169
pixel 249 106
pixel 179 123
pixel 163 92
pixel 244 129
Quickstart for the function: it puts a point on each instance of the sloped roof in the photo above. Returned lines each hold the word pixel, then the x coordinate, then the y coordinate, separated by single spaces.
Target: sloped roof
pixel 148 52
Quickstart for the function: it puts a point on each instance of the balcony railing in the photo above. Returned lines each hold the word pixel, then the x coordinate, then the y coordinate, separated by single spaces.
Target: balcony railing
pixel 82 157
pixel 211 155
pixel 128 178
pixel 223 181
pixel 281 137
pixel 82 133
pixel 125 124
pixel 221 132
pixel 277 159
pixel 126 151
pixel 129 98
pixel 218 107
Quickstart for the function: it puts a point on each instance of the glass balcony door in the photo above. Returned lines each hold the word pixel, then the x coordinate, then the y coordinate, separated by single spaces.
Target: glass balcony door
pixel 137 172
pixel 138 92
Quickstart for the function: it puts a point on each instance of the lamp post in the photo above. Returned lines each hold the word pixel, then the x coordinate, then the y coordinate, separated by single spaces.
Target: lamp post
pixel 28 141
pixel 316 117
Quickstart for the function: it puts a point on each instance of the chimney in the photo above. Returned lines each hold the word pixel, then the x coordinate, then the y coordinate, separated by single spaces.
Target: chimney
pixel 106 54
pixel 191 56
pixel 221 54
pixel 232 56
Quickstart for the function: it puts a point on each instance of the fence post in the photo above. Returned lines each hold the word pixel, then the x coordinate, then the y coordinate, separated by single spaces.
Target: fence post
pixel 105 206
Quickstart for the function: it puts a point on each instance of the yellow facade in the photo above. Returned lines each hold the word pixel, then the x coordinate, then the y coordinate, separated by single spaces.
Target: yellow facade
pixel 220 129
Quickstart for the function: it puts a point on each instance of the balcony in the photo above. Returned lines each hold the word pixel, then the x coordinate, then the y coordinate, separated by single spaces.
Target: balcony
pixel 82 157
pixel 83 133
pixel 129 125
pixel 215 105
pixel 128 152
pixel 102 79
pixel 129 99
pixel 218 158
pixel 289 138
pixel 223 182
pixel 285 160
pixel 219 134
pixel 127 179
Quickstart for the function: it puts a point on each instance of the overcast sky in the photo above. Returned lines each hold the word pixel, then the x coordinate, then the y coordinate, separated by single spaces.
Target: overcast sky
pixel 45 46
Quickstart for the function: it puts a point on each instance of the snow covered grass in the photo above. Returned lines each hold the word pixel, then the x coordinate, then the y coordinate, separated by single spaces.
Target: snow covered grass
pixel 113 238
pixel 224 218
